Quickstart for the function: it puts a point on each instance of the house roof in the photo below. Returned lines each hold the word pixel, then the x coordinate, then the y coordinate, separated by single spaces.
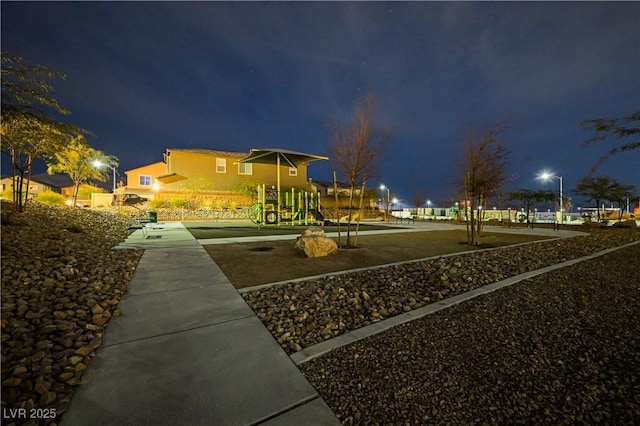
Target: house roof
pixel 63 181
pixel 144 166
pixel 329 184
pixel 171 178
pixel 56 180
pixel 209 152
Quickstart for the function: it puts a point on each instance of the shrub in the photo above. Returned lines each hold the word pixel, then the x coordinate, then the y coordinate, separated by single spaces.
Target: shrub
pixel 156 204
pixel 626 224
pixel 86 190
pixel 7 194
pixel 49 197
pixel 178 202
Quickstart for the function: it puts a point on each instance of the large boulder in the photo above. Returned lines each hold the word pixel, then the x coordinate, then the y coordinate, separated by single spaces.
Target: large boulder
pixel 314 243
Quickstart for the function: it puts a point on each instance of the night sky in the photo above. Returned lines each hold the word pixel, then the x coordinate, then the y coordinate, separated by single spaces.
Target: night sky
pixel 234 76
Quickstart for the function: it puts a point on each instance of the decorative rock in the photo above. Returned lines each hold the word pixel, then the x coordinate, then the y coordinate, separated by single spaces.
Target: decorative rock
pixel 314 243
pixel 47 300
pixel 97 309
pixel 75 359
pixel 99 320
pixel 48 399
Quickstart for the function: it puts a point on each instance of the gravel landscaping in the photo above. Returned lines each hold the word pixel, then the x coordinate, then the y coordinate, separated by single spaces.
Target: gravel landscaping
pixel 61 283
pixel 562 348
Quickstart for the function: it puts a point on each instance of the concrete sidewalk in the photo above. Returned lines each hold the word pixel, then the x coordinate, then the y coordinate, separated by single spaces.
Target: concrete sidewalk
pixel 393 228
pixel 187 350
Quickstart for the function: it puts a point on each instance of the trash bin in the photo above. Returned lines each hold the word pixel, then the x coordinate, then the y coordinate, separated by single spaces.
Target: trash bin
pixel 152 217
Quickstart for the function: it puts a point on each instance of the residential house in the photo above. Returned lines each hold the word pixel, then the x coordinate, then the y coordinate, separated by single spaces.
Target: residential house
pixel 326 188
pixel 211 172
pixel 59 183
pixel 144 180
pixel 222 171
pixel 35 186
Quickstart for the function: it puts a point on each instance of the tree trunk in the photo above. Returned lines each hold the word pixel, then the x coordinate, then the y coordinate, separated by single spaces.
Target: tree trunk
pixel 479 218
pixel 467 203
pixel 21 195
pixel 472 221
pixel 364 183
pixel 335 192
pixel 26 194
pixel 76 189
pixel 349 215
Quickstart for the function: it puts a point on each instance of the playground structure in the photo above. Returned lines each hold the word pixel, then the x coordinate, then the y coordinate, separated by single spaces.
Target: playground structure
pixel 292 207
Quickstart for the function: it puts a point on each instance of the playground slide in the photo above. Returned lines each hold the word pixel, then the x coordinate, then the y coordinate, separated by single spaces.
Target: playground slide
pixel 317 216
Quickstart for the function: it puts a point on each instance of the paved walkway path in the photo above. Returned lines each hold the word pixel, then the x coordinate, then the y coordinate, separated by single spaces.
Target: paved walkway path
pixel 187 350
pixel 390 229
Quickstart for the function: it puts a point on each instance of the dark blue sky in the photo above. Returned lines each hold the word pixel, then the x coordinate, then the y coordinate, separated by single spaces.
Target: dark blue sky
pixel 233 76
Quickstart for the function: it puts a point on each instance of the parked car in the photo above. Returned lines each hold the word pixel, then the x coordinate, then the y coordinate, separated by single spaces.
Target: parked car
pixel 128 200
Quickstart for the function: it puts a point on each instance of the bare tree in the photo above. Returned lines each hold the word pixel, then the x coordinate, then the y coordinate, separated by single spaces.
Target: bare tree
pixel 357 145
pixel 483 170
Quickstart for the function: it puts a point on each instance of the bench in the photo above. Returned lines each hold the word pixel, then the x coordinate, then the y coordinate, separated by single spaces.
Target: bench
pixel 137 227
pixel 141 222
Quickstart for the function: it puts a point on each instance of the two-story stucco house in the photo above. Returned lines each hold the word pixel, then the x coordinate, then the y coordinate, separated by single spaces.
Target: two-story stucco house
pixel 214 171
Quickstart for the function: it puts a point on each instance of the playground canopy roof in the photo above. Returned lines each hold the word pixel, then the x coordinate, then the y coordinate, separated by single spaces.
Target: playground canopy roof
pixel 280 156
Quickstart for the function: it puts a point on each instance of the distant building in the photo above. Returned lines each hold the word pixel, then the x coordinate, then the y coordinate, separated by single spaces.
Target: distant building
pixel 327 188
pixel 59 183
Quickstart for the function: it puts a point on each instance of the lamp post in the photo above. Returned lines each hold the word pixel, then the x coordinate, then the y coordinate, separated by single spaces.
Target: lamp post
pixel 546 176
pixel 382 187
pixel 97 164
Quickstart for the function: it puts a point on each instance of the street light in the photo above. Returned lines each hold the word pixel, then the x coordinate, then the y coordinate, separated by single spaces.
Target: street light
pixel 97 164
pixel 545 176
pixel 382 187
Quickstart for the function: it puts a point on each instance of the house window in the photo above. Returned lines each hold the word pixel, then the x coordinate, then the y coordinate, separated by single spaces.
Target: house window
pixel 245 168
pixel 293 171
pixel 145 180
pixel 221 165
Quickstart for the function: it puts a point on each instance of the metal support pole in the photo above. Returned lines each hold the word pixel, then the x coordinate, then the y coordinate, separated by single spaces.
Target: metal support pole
pixel 561 213
pixel 278 179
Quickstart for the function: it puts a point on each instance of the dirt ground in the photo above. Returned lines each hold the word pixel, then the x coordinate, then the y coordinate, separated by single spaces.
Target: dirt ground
pixel 206 230
pixel 251 264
